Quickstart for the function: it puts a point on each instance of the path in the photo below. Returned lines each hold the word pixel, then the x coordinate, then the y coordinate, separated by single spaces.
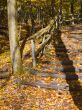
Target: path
pixel 63 58
pixel 57 82
pixel 63 65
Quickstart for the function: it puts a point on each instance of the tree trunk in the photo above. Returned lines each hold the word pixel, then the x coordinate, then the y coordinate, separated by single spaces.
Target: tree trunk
pixel 81 9
pixel 81 6
pixel 13 38
pixel 72 10
pixel 53 8
pixel 60 10
pixel 72 6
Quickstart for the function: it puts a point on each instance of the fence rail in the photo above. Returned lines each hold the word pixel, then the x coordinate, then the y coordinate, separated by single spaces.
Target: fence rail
pixel 43 33
pixel 76 18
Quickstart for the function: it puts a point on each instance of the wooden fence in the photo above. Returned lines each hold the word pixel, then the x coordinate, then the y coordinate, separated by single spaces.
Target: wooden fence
pixel 45 33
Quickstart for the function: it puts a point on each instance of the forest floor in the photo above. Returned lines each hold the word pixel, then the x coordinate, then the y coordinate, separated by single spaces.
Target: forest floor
pixel 23 96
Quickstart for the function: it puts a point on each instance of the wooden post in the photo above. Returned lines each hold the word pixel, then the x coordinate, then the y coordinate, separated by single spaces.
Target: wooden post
pixel 57 22
pixel 72 16
pixel 38 14
pixel 78 16
pixel 72 10
pixel 33 53
pixel 43 45
pixel 43 40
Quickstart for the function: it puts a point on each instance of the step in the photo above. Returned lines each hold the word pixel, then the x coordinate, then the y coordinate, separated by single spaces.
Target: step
pixel 70 69
pixel 53 85
pixel 66 76
pixel 61 50
pixel 76 37
pixel 61 55
pixel 68 53
pixel 60 46
pixel 65 54
pixel 65 62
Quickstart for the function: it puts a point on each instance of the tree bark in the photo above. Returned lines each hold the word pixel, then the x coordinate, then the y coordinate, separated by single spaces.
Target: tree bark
pixel 81 10
pixel 72 6
pixel 53 8
pixel 72 10
pixel 13 38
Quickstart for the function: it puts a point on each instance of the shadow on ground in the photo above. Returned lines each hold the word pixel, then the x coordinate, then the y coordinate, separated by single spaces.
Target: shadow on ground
pixel 74 86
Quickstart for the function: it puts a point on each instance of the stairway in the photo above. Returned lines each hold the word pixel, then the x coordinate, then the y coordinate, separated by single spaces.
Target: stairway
pixel 64 62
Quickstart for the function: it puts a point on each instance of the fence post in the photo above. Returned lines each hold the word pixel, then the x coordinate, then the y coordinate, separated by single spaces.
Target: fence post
pixel 57 22
pixel 78 16
pixel 43 40
pixel 72 16
pixel 33 53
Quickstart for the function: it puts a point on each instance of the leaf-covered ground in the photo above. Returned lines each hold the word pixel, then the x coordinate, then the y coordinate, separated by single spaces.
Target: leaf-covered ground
pixel 18 96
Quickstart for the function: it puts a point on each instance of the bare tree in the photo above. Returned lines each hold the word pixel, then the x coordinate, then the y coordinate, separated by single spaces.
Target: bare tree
pixel 13 38
pixel 53 8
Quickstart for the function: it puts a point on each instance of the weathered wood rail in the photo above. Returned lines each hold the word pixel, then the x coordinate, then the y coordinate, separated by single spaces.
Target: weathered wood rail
pixel 44 32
